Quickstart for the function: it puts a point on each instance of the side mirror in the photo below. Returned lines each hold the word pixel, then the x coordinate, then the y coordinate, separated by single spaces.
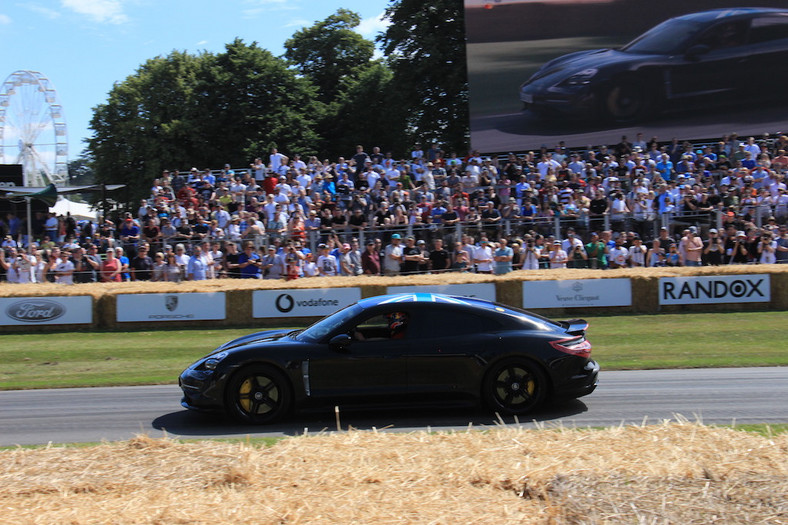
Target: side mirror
pixel 339 342
pixel 696 51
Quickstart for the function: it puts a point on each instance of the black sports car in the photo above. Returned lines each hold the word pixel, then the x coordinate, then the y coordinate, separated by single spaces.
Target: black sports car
pixel 705 58
pixel 394 350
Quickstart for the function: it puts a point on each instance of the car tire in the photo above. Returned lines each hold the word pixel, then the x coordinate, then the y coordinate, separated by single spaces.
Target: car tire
pixel 626 100
pixel 514 387
pixel 258 395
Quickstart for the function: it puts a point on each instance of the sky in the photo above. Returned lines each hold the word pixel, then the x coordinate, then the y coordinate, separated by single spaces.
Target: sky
pixel 84 46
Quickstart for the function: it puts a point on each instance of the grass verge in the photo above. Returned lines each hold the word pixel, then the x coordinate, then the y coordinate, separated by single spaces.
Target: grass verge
pixel 81 359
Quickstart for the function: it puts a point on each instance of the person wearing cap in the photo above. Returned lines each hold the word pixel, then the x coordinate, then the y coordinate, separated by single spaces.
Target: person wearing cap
pixel 326 263
pixel 637 253
pixel 736 249
pixel 714 248
pixel 691 248
pixel 618 255
pixel 370 259
pixel 344 261
pixel 411 257
pixel 558 256
pixel 393 256
pixel 483 257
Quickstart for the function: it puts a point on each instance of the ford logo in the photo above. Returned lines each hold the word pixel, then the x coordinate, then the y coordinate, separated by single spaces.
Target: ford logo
pixel 35 310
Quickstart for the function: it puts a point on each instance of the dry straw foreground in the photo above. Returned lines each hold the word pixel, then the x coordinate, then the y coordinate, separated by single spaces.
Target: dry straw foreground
pixel 670 473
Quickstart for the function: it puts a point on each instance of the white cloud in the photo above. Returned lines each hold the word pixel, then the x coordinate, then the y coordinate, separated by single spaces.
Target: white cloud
pixel 370 27
pixel 299 22
pixel 41 10
pixel 5 19
pixel 261 7
pixel 103 11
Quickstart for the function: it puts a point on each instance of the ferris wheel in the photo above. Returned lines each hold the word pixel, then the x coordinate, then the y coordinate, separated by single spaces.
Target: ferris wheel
pixel 33 129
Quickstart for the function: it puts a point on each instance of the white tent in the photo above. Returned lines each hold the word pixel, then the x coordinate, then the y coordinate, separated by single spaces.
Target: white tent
pixel 78 210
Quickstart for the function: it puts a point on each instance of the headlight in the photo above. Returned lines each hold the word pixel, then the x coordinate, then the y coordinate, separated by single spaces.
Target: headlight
pixel 212 362
pixel 579 79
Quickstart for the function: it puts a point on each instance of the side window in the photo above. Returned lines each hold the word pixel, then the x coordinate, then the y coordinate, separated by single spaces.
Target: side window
pixel 767 29
pixel 726 35
pixel 390 325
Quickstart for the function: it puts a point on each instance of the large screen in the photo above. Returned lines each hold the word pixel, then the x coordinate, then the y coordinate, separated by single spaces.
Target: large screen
pixel 589 72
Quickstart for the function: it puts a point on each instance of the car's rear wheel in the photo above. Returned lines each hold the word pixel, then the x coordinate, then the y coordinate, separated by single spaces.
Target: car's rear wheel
pixel 515 387
pixel 626 100
pixel 259 394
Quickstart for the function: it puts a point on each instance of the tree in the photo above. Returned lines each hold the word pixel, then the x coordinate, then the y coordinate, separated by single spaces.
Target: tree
pixel 200 110
pixel 330 53
pixel 365 114
pixel 80 172
pixel 425 46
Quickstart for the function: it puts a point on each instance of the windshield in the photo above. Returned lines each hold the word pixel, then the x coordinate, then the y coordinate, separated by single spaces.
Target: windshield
pixel 668 38
pixel 325 326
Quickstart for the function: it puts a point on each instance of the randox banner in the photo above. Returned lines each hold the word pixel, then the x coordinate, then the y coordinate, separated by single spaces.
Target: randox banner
pixel 575 293
pixel 484 291
pixel 712 289
pixel 312 302
pixel 135 308
pixel 46 310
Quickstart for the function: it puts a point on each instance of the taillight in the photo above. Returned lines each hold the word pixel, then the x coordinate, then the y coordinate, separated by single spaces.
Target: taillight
pixel 578 346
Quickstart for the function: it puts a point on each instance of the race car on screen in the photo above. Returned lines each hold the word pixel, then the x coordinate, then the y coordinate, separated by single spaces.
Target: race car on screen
pixel 700 59
pixel 397 350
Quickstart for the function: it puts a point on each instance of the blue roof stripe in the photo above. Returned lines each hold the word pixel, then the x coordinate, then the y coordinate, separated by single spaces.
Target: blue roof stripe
pixel 421 298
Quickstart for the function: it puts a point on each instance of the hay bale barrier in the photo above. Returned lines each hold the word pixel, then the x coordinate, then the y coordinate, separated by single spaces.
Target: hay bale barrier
pixel 665 473
pixel 508 289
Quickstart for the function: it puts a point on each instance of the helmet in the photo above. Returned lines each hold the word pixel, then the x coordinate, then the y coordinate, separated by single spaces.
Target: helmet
pixel 397 320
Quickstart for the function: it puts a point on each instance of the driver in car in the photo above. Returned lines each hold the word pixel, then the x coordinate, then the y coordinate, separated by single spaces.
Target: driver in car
pixel 398 322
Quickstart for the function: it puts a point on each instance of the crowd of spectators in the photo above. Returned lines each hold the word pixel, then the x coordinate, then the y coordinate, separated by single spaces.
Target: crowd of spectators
pixel 726 203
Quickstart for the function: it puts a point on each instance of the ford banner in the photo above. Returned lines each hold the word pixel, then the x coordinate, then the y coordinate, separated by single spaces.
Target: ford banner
pixel 46 310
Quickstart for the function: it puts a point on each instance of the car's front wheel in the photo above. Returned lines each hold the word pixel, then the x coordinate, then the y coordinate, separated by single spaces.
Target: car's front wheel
pixel 515 387
pixel 258 394
pixel 626 100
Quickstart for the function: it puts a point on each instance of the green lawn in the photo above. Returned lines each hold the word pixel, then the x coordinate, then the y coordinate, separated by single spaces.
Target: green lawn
pixel 68 359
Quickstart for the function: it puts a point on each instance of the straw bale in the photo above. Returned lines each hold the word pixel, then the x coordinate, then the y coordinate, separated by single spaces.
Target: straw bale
pixel 379 282
pixel 667 473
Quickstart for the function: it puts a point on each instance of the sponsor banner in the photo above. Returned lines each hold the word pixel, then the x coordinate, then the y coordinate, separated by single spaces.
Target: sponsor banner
pixel 715 289
pixel 484 291
pixel 312 302
pixel 135 308
pixel 577 293
pixel 46 310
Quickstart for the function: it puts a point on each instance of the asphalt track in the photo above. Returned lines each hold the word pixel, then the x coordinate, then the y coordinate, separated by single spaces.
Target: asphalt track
pixel 721 396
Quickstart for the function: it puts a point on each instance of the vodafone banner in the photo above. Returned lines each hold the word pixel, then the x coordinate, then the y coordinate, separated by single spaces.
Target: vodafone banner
pixel 312 302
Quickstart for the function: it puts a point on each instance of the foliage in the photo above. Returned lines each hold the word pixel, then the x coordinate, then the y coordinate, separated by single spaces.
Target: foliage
pixel 331 53
pixel 204 110
pixel 425 46
pixel 325 95
pixel 80 172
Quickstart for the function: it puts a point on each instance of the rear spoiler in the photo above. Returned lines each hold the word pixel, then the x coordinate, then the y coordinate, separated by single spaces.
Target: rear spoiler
pixel 576 326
